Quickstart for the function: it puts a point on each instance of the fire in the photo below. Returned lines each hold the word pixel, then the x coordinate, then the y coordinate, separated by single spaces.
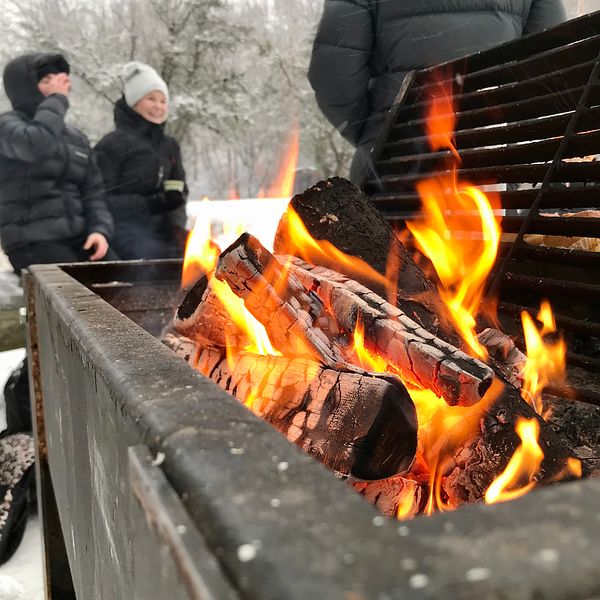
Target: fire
pixel 545 358
pixel 201 254
pixel 518 477
pixel 283 186
pixel 364 358
pixel 459 232
pixel 441 119
pixel 300 242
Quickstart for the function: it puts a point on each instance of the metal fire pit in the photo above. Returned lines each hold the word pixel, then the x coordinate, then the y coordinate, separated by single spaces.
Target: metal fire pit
pixel 525 111
pixel 164 486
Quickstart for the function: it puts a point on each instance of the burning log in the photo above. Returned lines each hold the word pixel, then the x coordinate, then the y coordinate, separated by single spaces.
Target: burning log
pixel 420 357
pixel 338 212
pixel 280 302
pixel 357 424
pixel 394 497
pixel 507 359
pixel 203 318
pixel 471 466
pixel 291 309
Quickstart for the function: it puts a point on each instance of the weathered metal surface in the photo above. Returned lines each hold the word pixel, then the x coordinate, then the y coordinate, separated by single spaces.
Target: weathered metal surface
pixel 277 523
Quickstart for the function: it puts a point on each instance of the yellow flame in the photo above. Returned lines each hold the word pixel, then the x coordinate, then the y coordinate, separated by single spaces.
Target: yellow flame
pixel 545 359
pixel 459 233
pixel 201 254
pixel 364 358
pixel 462 262
pixel 300 242
pixel 518 477
pixel 283 186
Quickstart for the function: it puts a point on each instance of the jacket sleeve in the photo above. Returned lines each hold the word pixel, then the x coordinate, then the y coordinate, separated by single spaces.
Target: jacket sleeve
pixel 178 217
pixel 339 68
pixel 178 172
pixel 30 141
pixel 544 14
pixel 97 216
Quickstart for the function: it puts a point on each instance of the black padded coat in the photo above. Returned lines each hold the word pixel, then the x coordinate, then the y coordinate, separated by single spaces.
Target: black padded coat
pixel 135 160
pixel 364 48
pixel 50 186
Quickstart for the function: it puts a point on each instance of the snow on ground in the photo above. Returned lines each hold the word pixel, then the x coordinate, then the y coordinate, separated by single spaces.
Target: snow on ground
pixel 21 577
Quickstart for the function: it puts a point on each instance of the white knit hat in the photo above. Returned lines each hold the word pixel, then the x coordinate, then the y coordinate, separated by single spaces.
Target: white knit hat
pixel 140 79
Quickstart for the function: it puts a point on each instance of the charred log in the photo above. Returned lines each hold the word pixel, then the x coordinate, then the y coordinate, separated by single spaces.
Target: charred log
pixel 203 318
pixel 355 424
pixel 293 318
pixel 420 357
pixel 394 497
pixel 578 424
pixel 471 467
pixel 506 358
pixel 337 211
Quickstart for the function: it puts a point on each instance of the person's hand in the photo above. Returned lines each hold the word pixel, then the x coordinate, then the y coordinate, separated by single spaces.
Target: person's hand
pixel 55 83
pixel 98 243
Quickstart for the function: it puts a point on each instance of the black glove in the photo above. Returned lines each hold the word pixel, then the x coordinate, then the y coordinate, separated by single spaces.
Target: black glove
pixel 163 202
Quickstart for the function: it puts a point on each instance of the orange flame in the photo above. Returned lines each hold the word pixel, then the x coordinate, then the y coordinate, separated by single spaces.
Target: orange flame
pixel 300 242
pixel 545 359
pixel 459 232
pixel 283 186
pixel 518 477
pixel 201 254
pixel 364 358
pixel 462 262
pixel 441 119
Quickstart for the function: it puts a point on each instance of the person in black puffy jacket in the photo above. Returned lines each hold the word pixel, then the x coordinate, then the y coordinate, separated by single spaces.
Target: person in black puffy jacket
pixel 52 205
pixel 364 49
pixel 143 171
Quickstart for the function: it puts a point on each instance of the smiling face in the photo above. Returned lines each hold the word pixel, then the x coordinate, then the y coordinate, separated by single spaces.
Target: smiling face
pixel 154 107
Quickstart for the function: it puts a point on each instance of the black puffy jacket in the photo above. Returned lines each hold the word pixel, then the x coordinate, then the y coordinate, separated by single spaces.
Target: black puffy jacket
pixel 50 186
pixel 135 160
pixel 364 48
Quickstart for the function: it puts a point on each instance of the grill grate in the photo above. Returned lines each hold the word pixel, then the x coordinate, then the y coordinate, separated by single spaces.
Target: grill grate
pixel 527 113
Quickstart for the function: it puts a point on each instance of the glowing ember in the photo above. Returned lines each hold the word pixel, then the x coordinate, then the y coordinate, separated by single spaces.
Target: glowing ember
pixel 518 477
pixel 545 358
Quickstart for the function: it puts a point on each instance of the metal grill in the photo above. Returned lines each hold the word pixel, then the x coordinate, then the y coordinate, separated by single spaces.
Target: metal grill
pixel 528 124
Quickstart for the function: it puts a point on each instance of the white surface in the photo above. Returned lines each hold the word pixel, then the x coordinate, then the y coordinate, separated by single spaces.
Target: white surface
pixel 230 218
pixel 21 577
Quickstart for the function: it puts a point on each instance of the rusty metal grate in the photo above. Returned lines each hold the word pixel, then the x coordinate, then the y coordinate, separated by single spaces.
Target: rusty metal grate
pixel 527 113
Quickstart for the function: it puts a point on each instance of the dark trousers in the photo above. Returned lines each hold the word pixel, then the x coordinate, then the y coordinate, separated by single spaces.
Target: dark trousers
pixel 47 253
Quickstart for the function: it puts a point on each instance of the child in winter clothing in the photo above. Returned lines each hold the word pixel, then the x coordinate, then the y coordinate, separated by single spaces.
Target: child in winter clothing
pixel 52 207
pixel 143 172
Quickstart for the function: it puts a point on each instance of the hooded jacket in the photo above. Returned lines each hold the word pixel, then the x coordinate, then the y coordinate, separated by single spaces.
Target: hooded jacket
pixel 135 160
pixel 364 49
pixel 50 186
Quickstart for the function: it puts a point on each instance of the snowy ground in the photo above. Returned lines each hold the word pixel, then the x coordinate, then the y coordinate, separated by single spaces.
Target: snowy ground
pixel 21 577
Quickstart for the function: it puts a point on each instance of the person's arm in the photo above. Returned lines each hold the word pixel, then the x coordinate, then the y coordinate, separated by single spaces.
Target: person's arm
pixel 544 14
pixel 30 141
pixel 339 67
